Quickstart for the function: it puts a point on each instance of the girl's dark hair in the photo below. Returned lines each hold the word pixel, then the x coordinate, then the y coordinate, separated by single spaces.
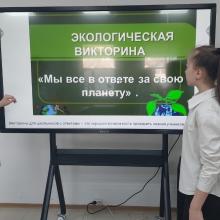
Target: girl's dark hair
pixel 208 57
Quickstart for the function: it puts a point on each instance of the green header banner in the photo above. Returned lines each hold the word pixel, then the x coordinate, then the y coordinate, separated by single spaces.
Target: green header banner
pixel 119 41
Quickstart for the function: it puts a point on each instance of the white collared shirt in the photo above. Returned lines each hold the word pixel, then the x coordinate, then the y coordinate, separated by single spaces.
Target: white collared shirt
pixel 200 163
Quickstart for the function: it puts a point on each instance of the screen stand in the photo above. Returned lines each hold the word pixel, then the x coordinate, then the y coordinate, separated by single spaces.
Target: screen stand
pixel 106 157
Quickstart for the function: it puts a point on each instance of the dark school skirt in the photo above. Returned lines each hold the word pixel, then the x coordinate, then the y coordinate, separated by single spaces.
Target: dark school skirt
pixel 210 209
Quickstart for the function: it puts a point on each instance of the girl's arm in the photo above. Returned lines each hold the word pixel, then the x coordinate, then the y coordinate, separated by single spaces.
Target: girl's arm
pixel 195 211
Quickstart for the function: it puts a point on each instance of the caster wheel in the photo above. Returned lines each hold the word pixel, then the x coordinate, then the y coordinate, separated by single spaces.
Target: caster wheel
pixel 61 217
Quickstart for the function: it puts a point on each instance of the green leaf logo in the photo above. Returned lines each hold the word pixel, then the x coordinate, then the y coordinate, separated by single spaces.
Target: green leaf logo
pixel 179 108
pixel 166 105
pixel 151 107
pixel 174 95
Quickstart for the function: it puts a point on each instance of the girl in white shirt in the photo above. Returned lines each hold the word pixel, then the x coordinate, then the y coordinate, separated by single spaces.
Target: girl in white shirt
pixel 199 184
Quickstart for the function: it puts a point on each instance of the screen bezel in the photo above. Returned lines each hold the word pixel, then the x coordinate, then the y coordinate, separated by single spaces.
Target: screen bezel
pixel 212 7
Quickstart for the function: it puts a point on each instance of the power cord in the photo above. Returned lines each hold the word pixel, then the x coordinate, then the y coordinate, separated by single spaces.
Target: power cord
pixel 174 144
pixel 120 204
pixel 94 203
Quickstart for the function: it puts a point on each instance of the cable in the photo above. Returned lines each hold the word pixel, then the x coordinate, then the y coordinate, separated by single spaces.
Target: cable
pixel 93 203
pixel 174 145
pixel 154 175
pixel 120 204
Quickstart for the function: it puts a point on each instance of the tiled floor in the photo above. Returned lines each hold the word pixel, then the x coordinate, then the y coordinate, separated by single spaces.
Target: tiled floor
pixel 12 213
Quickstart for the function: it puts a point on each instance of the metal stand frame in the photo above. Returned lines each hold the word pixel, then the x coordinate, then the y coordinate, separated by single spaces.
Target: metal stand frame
pixel 106 157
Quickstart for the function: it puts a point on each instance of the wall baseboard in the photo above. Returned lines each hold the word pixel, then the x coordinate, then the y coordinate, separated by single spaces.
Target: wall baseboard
pixel 76 206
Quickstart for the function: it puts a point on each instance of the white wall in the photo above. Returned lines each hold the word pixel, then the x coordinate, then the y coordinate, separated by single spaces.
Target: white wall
pixel 25 157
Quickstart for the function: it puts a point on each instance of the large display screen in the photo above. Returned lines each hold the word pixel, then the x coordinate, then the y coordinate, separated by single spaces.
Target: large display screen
pixel 100 69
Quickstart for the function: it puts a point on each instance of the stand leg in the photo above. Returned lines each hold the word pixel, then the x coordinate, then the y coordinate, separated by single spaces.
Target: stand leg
pixel 167 204
pixel 162 194
pixel 47 194
pixel 60 190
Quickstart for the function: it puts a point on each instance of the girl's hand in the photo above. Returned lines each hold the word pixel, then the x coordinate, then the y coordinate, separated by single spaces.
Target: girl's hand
pixel 195 214
pixel 6 100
